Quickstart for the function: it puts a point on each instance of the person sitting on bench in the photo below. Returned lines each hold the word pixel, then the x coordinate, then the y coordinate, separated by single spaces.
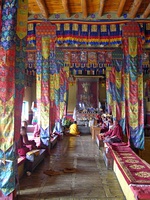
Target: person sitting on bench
pixel 113 135
pixel 24 137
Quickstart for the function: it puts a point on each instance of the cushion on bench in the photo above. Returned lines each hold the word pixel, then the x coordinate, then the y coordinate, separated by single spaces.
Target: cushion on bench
pixel 141 192
pixel 34 158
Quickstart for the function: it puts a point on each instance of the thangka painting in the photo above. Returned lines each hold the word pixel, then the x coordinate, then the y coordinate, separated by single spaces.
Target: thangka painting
pixel 67 57
pixel 108 57
pixel 83 56
pixel 92 57
pixel 105 57
pixel 101 57
pixel 75 57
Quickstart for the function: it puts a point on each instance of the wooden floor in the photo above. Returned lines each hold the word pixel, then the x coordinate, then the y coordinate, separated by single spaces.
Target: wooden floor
pixel 91 180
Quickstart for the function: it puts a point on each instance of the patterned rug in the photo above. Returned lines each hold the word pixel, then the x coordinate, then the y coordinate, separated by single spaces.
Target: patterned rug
pixel 134 169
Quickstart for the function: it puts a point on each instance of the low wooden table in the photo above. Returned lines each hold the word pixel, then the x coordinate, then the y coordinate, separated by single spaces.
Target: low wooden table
pixel 95 131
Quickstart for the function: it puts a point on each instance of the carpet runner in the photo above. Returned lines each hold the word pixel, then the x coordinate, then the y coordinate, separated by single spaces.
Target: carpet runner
pixel 134 169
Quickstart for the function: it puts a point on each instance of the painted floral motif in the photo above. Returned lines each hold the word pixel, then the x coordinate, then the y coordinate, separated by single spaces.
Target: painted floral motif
pixel 143 174
pixel 137 166
pixel 126 154
pixel 131 161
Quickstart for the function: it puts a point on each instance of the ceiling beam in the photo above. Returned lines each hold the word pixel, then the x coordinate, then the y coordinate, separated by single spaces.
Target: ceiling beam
pixel 101 7
pixel 66 7
pixel 146 12
pixel 135 6
pixel 121 6
pixel 84 8
pixel 41 4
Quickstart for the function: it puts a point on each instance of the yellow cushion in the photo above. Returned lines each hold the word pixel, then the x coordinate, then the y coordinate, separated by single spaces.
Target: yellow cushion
pixel 35 152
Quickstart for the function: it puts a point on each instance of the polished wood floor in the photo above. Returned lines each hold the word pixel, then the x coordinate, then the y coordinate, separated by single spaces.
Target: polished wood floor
pixel 91 179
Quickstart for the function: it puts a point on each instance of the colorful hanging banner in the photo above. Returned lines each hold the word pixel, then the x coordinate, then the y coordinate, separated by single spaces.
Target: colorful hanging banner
pixel 115 88
pixel 132 78
pixel 0 15
pixel 19 83
pixel 94 34
pixel 45 47
pixel 8 24
pixel 22 18
pixel 45 34
pixel 132 46
pixel 31 40
pixel 8 172
pixel 84 30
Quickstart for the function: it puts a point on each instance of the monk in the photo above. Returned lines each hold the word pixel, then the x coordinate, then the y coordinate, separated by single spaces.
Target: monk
pixel 113 135
pixel 28 143
pixel 73 129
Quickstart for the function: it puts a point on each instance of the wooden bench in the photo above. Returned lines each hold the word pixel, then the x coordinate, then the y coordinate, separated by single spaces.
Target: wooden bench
pixel 21 166
pixel 129 168
pixel 99 142
pixel 108 159
pixel 95 131
pixel 34 158
pixel 53 140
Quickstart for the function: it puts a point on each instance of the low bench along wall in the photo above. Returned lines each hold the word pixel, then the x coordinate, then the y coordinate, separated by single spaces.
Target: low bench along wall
pixel 34 158
pixel 132 172
pixel 21 166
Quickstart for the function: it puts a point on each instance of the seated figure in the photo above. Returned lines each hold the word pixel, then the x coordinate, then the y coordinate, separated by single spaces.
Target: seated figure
pixel 28 143
pixel 73 129
pixel 103 125
pixel 113 135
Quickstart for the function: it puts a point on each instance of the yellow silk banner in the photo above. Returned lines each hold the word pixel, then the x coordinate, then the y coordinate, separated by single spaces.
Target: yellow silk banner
pixel 132 46
pixel 22 18
pixel 45 47
pixel 133 111
pixel 7 124
pixel 44 112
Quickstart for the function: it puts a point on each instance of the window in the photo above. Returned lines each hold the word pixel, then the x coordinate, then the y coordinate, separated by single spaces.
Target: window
pixel 25 110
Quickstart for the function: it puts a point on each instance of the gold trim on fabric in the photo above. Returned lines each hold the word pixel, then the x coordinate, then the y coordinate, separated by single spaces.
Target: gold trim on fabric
pixel 58 27
pixel 67 27
pixel 132 46
pixel 30 27
pixel 113 27
pixel 75 27
pixel 133 115
pixel 148 26
pixel 94 28
pixel 84 27
pixel 103 28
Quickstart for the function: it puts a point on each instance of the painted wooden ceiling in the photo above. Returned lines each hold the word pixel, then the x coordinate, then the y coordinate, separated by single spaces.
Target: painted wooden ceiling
pixel 131 8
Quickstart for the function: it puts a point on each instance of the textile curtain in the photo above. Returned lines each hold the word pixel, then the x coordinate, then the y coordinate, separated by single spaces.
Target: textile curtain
pixel 115 88
pixel 134 93
pixel 45 59
pixel 7 97
pixel 133 80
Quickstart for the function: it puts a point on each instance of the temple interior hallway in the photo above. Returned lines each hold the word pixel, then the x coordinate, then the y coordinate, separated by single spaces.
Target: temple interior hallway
pixel 91 180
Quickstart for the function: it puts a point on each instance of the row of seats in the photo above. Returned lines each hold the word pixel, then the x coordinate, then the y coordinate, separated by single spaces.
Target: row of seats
pixel 133 173
pixel 33 158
